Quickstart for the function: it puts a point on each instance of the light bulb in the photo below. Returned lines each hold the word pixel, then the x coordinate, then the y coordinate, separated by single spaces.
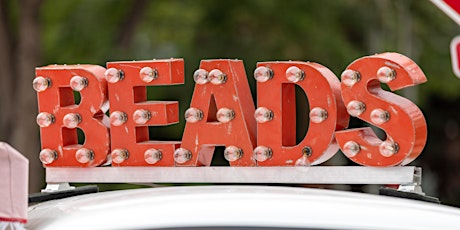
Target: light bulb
pixel 262 153
pixel 78 83
pixel 303 161
pixel 193 115
pixel 45 119
pixel 201 76
pixel 351 148
pixel 147 74
pixel 263 74
pixel 225 115
pixel 152 156
pixel 233 153
pixel 318 115
pixel 84 155
pixel 356 108
pixel 141 116
pixel 350 77
pixel 48 156
pixel 118 118
pixel 71 120
pixel 217 77
pixel 40 83
pixel 294 74
pixel 119 155
pixel 182 155
pixel 263 115
pixel 379 116
pixel 386 74
pixel 388 148
pixel 114 75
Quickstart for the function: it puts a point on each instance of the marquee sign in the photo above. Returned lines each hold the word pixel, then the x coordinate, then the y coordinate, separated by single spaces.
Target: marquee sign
pixel 252 136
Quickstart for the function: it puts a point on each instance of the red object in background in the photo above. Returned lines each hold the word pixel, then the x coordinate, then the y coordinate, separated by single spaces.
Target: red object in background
pixel 455 55
pixel 131 113
pixel 60 115
pixel 401 119
pixel 221 114
pixel 450 7
pixel 327 112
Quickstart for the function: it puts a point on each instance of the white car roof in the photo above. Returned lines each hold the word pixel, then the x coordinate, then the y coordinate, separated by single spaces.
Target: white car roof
pixel 239 206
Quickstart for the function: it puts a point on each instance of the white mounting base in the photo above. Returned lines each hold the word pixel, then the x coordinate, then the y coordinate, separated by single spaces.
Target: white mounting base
pixel 286 175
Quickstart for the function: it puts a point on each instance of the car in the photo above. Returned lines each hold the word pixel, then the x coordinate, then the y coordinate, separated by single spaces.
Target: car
pixel 239 207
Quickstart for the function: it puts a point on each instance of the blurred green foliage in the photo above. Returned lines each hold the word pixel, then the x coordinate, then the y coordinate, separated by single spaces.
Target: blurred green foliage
pixel 332 33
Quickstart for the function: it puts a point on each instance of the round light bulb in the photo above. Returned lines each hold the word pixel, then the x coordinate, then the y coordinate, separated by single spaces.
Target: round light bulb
pixel 201 76
pixel 379 116
pixel 233 153
pixel 225 115
pixel 263 74
pixel 40 83
pixel 119 155
pixel 147 74
pixel 84 155
pixel 141 116
pixel 386 74
pixel 217 77
pixel 262 153
pixel 318 115
pixel 48 156
pixel 182 155
pixel 351 148
pixel 388 148
pixel 152 156
pixel 78 83
pixel 303 161
pixel 45 119
pixel 356 108
pixel 71 120
pixel 263 115
pixel 118 118
pixel 114 75
pixel 193 115
pixel 350 77
pixel 294 74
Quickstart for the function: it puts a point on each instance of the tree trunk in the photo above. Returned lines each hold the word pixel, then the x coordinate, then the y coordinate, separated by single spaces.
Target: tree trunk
pixel 25 131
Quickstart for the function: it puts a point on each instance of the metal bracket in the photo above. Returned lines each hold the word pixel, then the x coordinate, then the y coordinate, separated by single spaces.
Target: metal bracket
pixel 416 185
pixel 57 187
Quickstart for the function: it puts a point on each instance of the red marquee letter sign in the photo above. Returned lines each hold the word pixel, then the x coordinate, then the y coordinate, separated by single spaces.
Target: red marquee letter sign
pixel 131 113
pixel 59 115
pixel 276 113
pixel 220 114
pixel 401 119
